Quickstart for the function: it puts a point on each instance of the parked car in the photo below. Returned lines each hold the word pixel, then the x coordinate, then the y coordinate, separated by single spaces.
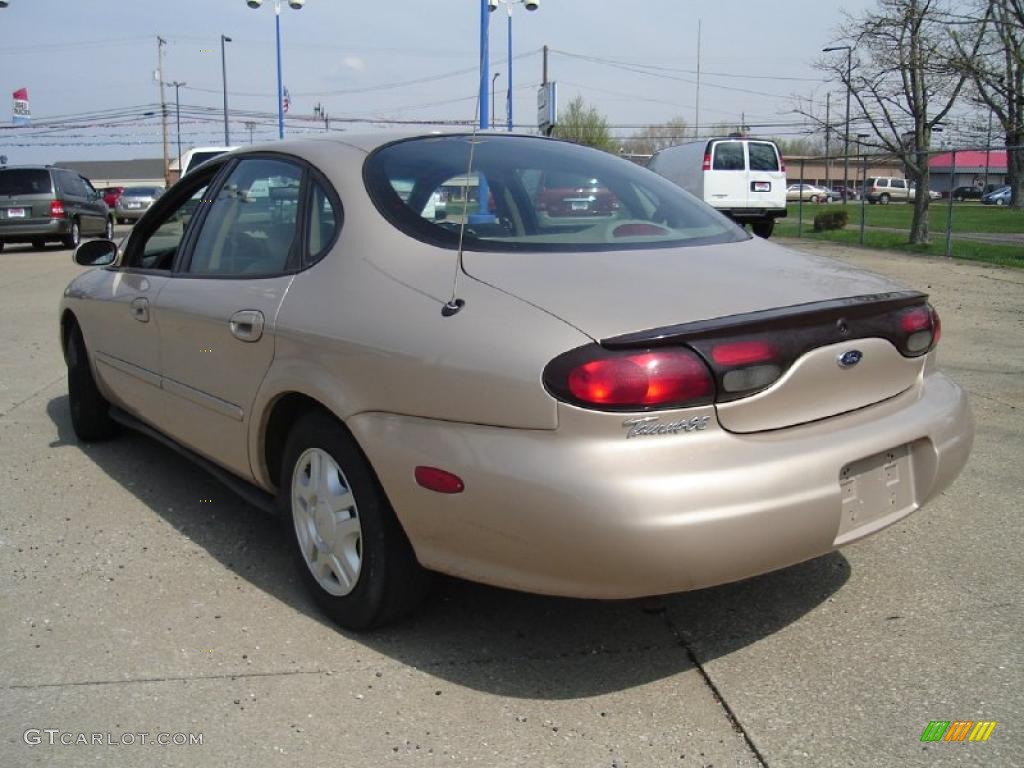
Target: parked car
pixel 999 196
pixel 846 193
pixel 642 403
pixel 886 189
pixel 912 194
pixel 807 192
pixel 135 201
pixel 40 204
pixel 743 178
pixel 973 192
pixel 110 195
pixel 562 194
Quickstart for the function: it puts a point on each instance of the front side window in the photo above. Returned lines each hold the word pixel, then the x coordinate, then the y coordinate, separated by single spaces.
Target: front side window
pixel 531 194
pixel 154 246
pixel 251 226
pixel 728 156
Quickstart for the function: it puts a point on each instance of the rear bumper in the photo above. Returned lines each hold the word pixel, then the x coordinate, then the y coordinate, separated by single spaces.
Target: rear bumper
pixel 132 214
pixel 587 513
pixel 751 214
pixel 24 232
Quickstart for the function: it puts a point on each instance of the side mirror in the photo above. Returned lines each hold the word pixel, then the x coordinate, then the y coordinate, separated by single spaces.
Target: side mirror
pixel 96 253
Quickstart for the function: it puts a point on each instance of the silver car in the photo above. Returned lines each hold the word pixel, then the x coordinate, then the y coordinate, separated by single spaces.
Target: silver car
pixel 605 407
pixel 134 202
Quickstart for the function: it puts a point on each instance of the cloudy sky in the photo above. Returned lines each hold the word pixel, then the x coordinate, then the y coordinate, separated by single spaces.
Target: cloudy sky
pixel 400 60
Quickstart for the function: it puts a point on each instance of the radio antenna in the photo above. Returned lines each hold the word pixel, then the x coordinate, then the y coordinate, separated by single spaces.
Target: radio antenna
pixel 454 303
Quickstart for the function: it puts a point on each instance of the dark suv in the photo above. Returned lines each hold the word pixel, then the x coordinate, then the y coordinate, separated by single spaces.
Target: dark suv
pixel 42 203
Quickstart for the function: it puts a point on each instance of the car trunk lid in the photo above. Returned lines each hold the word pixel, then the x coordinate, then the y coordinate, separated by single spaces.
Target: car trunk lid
pixel 773 325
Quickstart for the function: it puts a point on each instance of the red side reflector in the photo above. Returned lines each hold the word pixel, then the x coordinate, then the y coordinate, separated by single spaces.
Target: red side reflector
pixel 434 479
pixel 743 352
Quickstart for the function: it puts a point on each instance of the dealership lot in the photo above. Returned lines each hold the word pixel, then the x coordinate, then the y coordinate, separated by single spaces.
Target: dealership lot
pixel 139 596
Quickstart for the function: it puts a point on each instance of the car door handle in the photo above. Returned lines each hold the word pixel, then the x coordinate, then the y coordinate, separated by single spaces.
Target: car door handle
pixel 247 325
pixel 140 309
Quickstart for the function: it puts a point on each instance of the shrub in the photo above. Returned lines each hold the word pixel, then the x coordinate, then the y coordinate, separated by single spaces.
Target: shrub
pixel 827 220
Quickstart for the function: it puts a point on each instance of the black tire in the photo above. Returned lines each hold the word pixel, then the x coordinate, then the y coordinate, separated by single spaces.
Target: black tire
pixel 90 411
pixel 122 221
pixel 390 581
pixel 814 198
pixel 884 198
pixel 2 244
pixel 74 237
pixel 108 229
pixel 38 244
pixel 959 198
pixel 763 228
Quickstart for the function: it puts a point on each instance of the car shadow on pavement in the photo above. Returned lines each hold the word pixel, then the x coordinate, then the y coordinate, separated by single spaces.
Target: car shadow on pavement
pixel 494 640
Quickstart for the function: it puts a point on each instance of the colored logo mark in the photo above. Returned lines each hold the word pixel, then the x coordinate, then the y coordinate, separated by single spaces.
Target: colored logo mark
pixel 958 730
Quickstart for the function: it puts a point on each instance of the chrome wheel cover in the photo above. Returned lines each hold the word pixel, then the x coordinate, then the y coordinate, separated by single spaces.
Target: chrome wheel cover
pixel 326 522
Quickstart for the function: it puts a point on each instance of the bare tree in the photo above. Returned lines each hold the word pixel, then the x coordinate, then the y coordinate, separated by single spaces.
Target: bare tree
pixel 653 138
pixel 583 124
pixel 997 75
pixel 904 81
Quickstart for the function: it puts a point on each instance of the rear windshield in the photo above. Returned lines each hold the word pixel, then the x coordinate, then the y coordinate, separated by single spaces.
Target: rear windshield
pixel 728 156
pixel 25 181
pixel 533 194
pixel 142 191
pixel 763 156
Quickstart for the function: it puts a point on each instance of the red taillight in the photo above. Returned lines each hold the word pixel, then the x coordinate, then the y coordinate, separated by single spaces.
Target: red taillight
pixel 435 479
pixel 921 329
pixel 733 353
pixel 56 209
pixel 707 162
pixel 625 381
pixel 916 319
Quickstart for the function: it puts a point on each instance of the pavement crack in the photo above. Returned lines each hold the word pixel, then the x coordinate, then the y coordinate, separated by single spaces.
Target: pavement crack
pixel 730 715
pixel 169 679
pixel 29 397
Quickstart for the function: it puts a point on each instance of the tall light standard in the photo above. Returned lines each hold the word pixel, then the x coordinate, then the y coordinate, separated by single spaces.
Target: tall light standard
pixel 846 133
pixel 224 75
pixel 496 75
pixel 177 120
pixel 531 5
pixel 295 4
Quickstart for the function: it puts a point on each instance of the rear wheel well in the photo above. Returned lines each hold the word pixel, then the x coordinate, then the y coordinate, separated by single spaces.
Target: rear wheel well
pixel 286 411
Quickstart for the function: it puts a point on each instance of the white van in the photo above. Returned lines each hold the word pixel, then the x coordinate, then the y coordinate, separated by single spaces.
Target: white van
pixel 743 178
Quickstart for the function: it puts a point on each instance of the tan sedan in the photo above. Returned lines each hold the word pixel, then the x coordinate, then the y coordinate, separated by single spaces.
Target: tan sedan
pixel 604 407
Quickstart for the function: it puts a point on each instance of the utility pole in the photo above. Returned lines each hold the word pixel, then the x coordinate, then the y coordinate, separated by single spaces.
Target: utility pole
pixel 828 131
pixel 544 78
pixel 177 116
pixel 250 125
pixel 696 110
pixel 160 43
pixel 224 76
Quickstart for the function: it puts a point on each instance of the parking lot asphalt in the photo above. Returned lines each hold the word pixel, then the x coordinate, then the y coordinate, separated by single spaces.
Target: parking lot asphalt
pixel 139 596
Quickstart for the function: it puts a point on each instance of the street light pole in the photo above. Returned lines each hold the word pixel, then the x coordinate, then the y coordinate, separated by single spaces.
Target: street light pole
pixel 280 84
pixel 224 75
pixel 494 77
pixel 177 120
pixel 508 100
pixel 846 133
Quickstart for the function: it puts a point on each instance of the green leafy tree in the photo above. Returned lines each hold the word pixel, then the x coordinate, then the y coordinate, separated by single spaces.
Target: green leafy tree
pixel 583 124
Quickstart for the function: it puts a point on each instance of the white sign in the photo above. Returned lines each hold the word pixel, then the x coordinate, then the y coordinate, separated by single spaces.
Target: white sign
pixel 547 107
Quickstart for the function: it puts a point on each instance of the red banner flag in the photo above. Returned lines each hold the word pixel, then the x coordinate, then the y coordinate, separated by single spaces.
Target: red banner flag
pixel 20 111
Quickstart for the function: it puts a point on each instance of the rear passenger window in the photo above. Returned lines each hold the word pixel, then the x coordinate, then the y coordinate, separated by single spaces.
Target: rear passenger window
pixel 323 223
pixel 251 226
pixel 729 156
pixel 763 157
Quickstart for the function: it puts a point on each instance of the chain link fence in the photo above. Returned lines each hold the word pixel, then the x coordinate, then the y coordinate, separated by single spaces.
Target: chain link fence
pixel 969 202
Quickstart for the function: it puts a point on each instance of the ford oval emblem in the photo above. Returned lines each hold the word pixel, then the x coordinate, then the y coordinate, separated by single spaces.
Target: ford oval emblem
pixel 850 359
